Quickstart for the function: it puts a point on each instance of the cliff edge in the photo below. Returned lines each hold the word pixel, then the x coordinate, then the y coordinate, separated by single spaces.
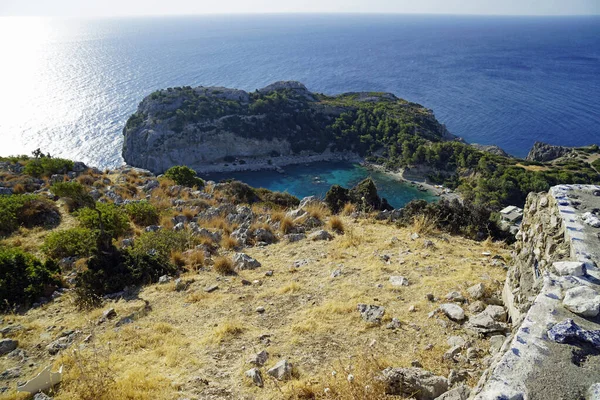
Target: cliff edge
pixel 204 125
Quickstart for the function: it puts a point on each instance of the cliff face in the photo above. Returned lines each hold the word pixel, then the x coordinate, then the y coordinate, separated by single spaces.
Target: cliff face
pixel 544 152
pixel 204 125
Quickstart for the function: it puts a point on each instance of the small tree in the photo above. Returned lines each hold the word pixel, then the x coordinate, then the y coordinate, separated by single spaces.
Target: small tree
pixel 185 176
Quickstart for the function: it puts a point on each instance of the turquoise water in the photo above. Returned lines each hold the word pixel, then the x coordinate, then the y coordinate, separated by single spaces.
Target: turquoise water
pixel 316 178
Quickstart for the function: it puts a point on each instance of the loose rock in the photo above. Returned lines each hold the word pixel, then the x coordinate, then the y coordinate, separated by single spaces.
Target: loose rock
pixel 414 382
pixel 281 371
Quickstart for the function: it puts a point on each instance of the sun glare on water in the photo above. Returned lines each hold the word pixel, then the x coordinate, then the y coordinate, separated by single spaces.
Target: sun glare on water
pixel 25 78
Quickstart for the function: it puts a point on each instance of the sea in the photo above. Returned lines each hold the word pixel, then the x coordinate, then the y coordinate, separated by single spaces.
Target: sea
pixel 68 85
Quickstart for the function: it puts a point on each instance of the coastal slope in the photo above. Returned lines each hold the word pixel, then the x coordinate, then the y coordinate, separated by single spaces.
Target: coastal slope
pixel 204 125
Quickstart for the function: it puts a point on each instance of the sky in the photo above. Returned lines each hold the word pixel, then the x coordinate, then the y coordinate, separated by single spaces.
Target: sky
pixel 190 7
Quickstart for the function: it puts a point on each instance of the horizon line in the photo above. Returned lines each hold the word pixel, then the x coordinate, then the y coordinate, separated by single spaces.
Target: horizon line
pixel 379 13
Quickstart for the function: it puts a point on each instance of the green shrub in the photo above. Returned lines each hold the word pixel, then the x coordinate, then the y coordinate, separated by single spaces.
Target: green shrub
pixel 280 199
pixel 185 176
pixel 74 242
pixel 46 166
pixel 596 164
pixel 112 270
pixel 142 213
pixel 337 197
pixel 114 219
pixel 75 194
pixel 162 243
pixel 474 221
pixel 239 192
pixel 24 278
pixel 26 210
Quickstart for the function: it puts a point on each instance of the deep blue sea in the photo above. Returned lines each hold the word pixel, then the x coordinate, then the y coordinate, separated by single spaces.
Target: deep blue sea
pixel 68 85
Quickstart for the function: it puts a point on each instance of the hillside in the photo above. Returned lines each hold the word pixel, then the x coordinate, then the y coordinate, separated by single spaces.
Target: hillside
pixel 203 125
pixel 221 129
pixel 194 281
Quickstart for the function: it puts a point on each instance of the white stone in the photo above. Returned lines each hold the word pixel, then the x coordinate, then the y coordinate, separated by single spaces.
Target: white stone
pixel 582 300
pixel 453 311
pixel 573 268
pixel 398 281
pixel 281 371
pixel 477 291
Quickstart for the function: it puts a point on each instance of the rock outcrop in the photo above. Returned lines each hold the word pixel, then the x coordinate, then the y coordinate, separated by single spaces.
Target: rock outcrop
pixel 544 152
pixel 202 126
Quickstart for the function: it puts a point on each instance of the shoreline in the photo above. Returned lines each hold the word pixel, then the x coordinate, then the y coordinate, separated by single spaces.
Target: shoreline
pixel 436 190
pixel 275 163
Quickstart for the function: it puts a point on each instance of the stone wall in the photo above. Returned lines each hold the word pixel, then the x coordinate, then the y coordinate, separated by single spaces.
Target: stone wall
pixel 540 242
pixel 552 292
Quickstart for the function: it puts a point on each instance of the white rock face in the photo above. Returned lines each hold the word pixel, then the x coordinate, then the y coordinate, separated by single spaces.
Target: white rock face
pixel 574 268
pixel 452 311
pixel 591 220
pixel 582 300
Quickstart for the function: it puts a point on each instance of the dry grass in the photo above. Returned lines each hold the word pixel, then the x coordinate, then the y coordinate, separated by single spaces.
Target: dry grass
pixel 310 316
pixel 533 167
pixel 86 179
pixel 229 243
pixel 286 225
pixel 219 222
pixel 223 266
pixel 336 224
pixel 348 209
pixel 423 224
pixel 178 259
pixel 188 213
pixel 195 260
pixel 318 211
pixel 277 216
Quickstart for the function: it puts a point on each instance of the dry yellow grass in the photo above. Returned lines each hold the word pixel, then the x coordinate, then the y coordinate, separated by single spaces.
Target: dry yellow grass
pixel 223 265
pixel 229 243
pixel 532 167
pixel 317 210
pixel 310 318
pixel 348 209
pixel 286 225
pixel 424 224
pixel 336 224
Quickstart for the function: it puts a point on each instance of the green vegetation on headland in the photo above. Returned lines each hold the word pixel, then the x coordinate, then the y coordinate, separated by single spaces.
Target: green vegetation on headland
pixel 380 127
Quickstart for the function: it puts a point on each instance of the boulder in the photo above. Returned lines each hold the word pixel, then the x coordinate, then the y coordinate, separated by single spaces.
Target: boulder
pixel 256 376
pixel 282 370
pixel 414 382
pixel 477 292
pixel 371 313
pixel 259 359
pixel 455 296
pixel 574 268
pixel 295 237
pixel 243 261
pixel 452 311
pixel 7 345
pixel 320 235
pixel 582 300
pixel 485 323
pixel 568 331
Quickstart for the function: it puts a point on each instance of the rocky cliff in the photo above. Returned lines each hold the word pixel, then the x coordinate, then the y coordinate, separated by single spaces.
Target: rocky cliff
pixel 544 152
pixel 204 125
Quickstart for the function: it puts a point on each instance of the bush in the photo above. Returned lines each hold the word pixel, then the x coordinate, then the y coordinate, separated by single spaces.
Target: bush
pixel 74 242
pixel 24 278
pixel 185 176
pixel 114 219
pixel 75 195
pixel 223 266
pixel 112 270
pixel 280 199
pixel 142 213
pixel 336 198
pixel 239 192
pixel 467 219
pixel 162 243
pixel 26 210
pixel 46 166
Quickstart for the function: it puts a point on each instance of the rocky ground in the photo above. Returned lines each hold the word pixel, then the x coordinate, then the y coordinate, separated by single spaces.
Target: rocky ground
pixel 336 307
